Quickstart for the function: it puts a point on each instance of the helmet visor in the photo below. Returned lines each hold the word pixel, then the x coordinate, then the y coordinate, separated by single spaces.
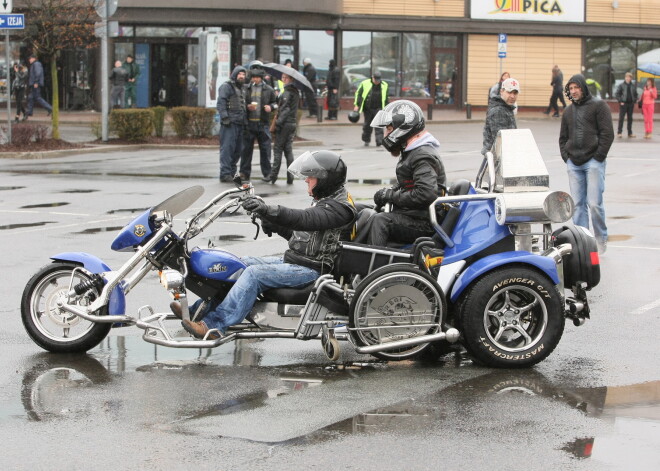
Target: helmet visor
pixel 382 119
pixel 307 166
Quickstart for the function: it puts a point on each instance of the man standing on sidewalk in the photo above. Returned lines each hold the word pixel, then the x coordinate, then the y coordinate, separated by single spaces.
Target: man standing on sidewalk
pixel 35 84
pixel 626 95
pixel 261 100
pixel 500 113
pixel 233 119
pixel 370 98
pixel 285 128
pixel 131 85
pixel 585 139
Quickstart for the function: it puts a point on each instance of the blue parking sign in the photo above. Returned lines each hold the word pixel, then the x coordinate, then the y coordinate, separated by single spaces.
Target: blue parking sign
pixel 12 21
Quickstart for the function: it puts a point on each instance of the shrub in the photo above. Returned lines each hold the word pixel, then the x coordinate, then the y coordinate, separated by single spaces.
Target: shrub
pixel 132 124
pixel 190 121
pixel 159 119
pixel 97 129
pixel 24 134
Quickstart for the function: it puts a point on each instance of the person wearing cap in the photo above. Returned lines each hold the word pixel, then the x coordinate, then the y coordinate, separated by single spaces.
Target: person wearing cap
pixel 585 138
pixel 309 71
pixel 501 113
pixel 261 101
pixel 131 83
pixel 233 119
pixel 370 98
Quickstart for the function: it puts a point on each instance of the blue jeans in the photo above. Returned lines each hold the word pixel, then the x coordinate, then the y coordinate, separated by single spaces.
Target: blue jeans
pixel 34 95
pixel 261 274
pixel 587 183
pixel 231 147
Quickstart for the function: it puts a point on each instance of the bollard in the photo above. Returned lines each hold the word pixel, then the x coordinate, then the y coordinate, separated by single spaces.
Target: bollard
pixel 468 111
pixel 429 111
pixel 319 108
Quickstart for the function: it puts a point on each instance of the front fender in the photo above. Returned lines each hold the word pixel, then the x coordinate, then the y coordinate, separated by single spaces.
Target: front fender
pixel 93 264
pixel 545 264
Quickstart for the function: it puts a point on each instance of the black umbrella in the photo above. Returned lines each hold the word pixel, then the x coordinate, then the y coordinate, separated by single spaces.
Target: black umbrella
pixel 299 80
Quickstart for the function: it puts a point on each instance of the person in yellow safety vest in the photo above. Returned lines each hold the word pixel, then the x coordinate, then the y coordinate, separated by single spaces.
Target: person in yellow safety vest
pixel 370 98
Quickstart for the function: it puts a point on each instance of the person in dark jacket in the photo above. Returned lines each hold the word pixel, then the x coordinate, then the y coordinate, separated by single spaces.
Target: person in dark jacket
pixel 285 127
pixel 309 71
pixel 500 113
pixel 313 234
pixel 233 119
pixel 420 176
pixel 131 84
pixel 332 84
pixel 118 79
pixel 18 83
pixel 626 95
pixel 557 84
pixel 585 138
pixel 261 101
pixel 35 85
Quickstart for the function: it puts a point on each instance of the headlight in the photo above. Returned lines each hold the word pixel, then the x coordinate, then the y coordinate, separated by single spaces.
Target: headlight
pixel 171 280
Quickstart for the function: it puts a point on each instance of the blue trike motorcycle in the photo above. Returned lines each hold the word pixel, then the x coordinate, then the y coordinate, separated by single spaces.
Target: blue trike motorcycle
pixel 495 277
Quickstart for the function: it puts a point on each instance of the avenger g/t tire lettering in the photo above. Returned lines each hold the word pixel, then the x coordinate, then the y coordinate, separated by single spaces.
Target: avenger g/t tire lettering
pixel 511 318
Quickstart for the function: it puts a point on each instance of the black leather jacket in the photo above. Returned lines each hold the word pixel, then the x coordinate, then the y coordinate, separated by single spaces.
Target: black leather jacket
pixel 314 233
pixel 287 106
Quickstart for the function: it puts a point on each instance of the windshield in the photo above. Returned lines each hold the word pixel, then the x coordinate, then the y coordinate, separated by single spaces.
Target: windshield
pixel 180 201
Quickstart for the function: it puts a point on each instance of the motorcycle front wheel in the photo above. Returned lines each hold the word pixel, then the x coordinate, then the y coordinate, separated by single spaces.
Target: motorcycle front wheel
pixel 51 327
pixel 511 318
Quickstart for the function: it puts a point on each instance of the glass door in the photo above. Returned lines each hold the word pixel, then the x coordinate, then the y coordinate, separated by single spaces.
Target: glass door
pixel 445 70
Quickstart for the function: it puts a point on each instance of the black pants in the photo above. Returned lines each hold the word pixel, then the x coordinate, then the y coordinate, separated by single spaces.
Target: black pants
pixel 366 127
pixel 626 109
pixel 283 143
pixel 310 99
pixel 382 228
pixel 556 95
pixel 256 130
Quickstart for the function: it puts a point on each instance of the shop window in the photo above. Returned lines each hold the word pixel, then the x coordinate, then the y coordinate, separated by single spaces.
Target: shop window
pixel 415 65
pixel 385 55
pixel 164 32
pixel 249 33
pixel 447 42
pixel 248 53
pixel 356 60
pixel 284 34
pixel 318 46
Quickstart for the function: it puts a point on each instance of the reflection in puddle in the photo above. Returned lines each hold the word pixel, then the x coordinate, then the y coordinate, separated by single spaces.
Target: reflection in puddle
pixel 96 230
pixel 129 210
pixel 78 191
pixel 30 224
pixel 44 205
pixel 2 188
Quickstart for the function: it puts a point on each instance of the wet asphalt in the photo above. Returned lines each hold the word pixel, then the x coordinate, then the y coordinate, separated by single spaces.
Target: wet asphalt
pixel 280 404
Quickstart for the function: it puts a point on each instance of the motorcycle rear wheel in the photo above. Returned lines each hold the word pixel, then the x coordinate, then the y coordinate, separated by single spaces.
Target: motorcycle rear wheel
pixel 511 318
pixel 52 328
pixel 388 304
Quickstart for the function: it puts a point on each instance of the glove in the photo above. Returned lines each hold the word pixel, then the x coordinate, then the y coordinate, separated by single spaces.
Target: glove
pixel 383 196
pixel 256 206
pixel 226 122
pixel 268 227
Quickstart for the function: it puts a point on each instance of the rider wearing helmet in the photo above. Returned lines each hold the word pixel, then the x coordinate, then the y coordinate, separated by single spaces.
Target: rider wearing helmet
pixel 313 234
pixel 420 177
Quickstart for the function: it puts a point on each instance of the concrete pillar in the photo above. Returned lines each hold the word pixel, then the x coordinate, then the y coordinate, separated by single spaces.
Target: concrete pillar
pixel 265 43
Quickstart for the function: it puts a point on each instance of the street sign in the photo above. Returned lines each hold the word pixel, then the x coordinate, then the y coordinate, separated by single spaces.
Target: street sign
pixel 13 21
pixel 6 6
pixel 501 45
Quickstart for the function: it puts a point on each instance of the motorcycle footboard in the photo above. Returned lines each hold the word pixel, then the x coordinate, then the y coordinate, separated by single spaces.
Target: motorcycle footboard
pixel 315 314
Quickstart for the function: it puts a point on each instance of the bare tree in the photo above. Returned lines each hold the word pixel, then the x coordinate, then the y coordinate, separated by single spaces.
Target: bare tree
pixel 54 25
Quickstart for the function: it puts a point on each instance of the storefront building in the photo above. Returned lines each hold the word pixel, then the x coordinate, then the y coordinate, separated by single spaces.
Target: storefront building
pixel 442 52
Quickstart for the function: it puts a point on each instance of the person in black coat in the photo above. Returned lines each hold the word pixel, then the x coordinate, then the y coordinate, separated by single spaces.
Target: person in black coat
pixel 332 85
pixel 309 71
pixel 285 127
pixel 626 95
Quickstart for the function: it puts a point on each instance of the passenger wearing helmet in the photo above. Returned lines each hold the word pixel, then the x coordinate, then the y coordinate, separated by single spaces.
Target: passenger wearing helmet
pixel 313 234
pixel 420 177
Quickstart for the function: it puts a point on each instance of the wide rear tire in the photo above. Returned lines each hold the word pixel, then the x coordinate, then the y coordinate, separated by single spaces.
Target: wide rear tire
pixel 51 327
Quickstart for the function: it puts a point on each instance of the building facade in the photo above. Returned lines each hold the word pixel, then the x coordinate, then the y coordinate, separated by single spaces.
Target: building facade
pixel 442 52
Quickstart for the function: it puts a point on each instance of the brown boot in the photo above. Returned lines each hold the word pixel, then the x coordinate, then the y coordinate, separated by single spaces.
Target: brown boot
pixel 198 329
pixel 175 307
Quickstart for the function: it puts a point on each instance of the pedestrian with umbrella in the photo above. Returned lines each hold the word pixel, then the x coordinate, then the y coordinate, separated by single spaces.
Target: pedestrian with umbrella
pixel 285 127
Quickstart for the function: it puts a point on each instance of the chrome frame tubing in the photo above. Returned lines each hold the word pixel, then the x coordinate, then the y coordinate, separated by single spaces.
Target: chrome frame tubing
pixel 452 199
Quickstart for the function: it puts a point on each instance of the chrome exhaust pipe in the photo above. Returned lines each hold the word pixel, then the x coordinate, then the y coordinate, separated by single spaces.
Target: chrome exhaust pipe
pixel 451 335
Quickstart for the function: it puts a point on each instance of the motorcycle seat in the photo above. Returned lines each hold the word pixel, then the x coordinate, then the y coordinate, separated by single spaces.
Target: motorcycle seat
pixel 331 300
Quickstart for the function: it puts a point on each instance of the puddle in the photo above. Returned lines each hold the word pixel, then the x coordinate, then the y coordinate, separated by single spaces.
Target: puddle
pixel 96 230
pixel 2 188
pixel 226 238
pixel 31 224
pixel 78 191
pixel 127 210
pixel 618 237
pixel 44 205
pixel 621 217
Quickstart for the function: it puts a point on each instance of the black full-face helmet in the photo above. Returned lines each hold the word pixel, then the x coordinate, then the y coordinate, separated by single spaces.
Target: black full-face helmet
pixel 407 120
pixel 326 166
pixel 354 116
